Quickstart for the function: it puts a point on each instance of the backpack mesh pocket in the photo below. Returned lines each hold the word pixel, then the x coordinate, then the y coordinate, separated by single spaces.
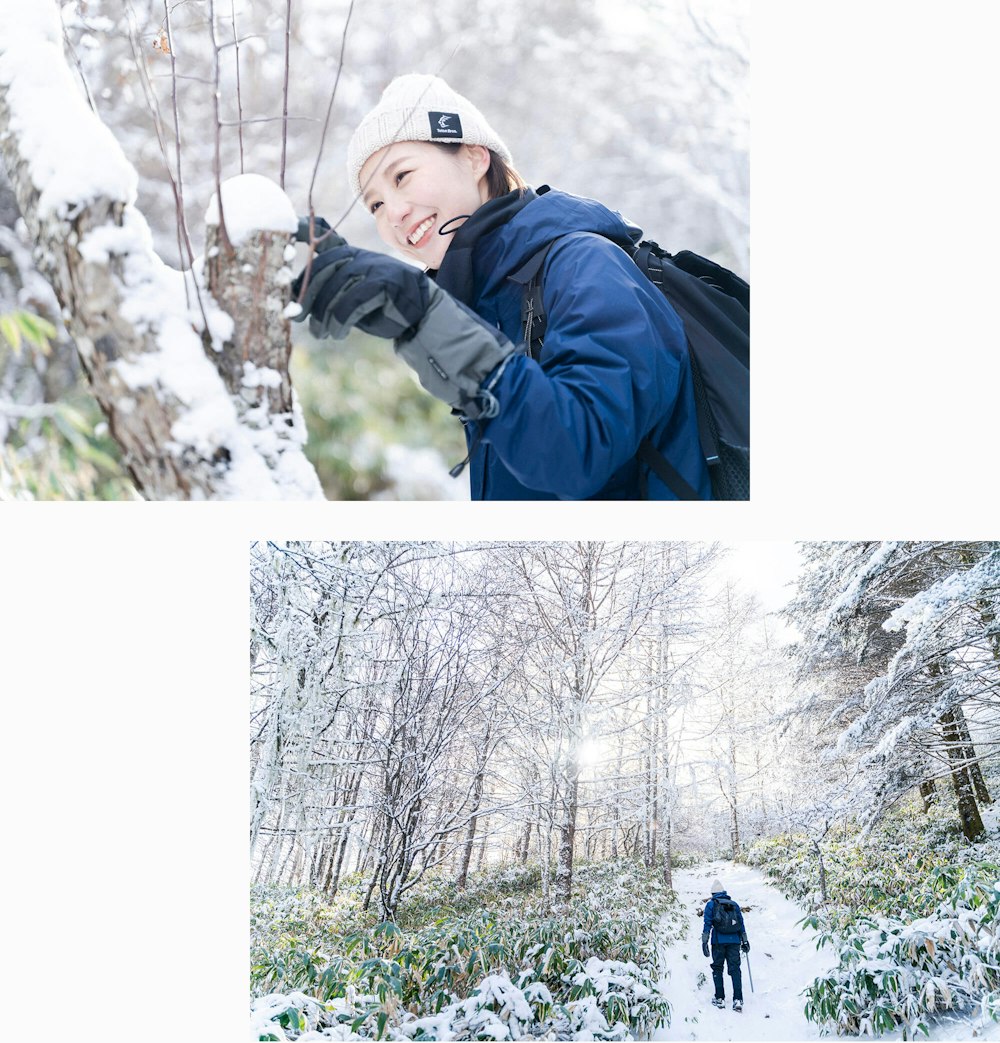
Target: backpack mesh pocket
pixel 731 475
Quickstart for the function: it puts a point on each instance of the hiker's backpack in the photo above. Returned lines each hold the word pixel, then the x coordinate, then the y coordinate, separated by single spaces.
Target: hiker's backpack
pixel 714 305
pixel 726 916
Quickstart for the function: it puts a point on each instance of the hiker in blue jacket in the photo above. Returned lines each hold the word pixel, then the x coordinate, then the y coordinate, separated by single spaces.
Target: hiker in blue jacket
pixel 724 925
pixel 613 366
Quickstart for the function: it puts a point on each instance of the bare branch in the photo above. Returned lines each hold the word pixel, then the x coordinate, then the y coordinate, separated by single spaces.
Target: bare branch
pixel 239 95
pixel 284 92
pixel 224 240
pixel 329 108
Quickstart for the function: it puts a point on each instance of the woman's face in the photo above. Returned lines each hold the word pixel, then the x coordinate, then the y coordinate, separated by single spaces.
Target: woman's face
pixel 414 188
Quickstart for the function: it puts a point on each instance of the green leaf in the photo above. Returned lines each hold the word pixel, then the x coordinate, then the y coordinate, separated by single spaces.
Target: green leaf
pixel 10 330
pixel 19 326
pixel 38 330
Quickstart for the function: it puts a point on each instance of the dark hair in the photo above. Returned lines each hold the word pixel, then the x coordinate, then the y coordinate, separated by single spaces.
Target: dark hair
pixel 501 178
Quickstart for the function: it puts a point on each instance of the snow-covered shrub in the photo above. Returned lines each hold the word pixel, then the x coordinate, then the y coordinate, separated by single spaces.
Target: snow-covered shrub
pixel 496 1009
pixel 885 872
pixel 279 1018
pixel 590 969
pixel 608 1000
pixel 896 972
pixel 508 885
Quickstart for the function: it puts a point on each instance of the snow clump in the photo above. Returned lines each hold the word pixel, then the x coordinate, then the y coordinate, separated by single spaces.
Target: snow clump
pixel 252 203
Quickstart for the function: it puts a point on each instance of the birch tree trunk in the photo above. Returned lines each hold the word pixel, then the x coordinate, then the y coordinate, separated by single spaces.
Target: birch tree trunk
pixel 652 773
pixel 734 821
pixel 567 835
pixel 153 358
pixel 616 807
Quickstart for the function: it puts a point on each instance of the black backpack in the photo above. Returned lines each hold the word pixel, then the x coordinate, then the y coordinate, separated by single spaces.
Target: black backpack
pixel 726 916
pixel 714 305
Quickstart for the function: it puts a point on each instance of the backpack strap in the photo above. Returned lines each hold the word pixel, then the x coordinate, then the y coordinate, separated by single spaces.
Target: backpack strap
pixel 665 471
pixel 533 325
pixel 649 257
pixel 533 319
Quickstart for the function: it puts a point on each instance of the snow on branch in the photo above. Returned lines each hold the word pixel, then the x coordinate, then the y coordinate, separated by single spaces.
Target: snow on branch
pixel 930 608
pixel 199 413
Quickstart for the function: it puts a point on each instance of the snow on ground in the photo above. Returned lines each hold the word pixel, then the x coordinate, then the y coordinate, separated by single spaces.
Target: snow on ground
pixel 783 959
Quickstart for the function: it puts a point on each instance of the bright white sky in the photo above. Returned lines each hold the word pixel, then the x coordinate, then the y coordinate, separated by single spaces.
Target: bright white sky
pixel 766 569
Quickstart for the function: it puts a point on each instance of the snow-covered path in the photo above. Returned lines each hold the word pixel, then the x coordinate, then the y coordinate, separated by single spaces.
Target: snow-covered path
pixel 783 959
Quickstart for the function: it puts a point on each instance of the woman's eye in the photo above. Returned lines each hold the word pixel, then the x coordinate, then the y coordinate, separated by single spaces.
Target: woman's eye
pixel 400 175
pixel 375 207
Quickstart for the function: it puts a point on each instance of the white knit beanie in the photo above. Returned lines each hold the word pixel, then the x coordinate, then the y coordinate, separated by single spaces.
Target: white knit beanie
pixel 717 886
pixel 419 108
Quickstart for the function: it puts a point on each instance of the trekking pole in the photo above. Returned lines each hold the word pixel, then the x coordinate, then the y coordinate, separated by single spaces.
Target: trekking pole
pixel 750 972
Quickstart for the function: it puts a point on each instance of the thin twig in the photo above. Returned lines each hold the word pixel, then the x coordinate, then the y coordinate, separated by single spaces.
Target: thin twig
pixel 329 108
pixel 239 96
pixel 183 239
pixel 68 43
pixel 269 119
pixel 182 231
pixel 284 91
pixel 223 233
pixel 203 80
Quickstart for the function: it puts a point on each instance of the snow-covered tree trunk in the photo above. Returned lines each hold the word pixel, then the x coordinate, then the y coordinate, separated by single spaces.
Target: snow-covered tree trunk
pixel 734 818
pixel 668 872
pixel 971 759
pixel 663 758
pixel 652 771
pixel 332 881
pixel 567 835
pixel 968 809
pixel 616 804
pixel 148 335
pixel 470 836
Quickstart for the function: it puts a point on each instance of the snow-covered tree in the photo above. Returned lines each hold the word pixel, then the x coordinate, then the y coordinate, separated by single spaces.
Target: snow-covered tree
pixel 901 649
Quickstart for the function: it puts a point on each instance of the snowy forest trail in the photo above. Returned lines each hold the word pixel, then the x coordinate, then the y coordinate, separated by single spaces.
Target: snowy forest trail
pixel 783 960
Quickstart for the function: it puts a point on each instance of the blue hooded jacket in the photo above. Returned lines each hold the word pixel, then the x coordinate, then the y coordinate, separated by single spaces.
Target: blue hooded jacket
pixel 614 366
pixel 718 938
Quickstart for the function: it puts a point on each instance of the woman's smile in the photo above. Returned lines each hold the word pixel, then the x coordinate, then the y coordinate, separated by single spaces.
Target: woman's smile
pixel 418 235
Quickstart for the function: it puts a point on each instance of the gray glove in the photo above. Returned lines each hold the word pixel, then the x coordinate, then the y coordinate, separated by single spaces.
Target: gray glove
pixel 745 946
pixel 451 349
pixel 453 352
pixel 704 944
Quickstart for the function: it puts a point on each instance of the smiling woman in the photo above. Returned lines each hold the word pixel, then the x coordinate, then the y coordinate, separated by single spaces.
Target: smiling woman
pixel 596 401
pixel 420 192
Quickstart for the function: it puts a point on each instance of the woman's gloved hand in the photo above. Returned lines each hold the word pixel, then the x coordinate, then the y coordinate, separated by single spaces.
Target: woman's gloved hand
pixel 448 346
pixel 349 287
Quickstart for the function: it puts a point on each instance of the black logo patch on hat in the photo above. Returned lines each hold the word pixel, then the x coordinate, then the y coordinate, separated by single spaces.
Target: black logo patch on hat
pixel 445 125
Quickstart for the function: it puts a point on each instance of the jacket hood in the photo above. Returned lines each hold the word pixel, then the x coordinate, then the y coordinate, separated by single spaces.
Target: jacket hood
pixel 506 232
